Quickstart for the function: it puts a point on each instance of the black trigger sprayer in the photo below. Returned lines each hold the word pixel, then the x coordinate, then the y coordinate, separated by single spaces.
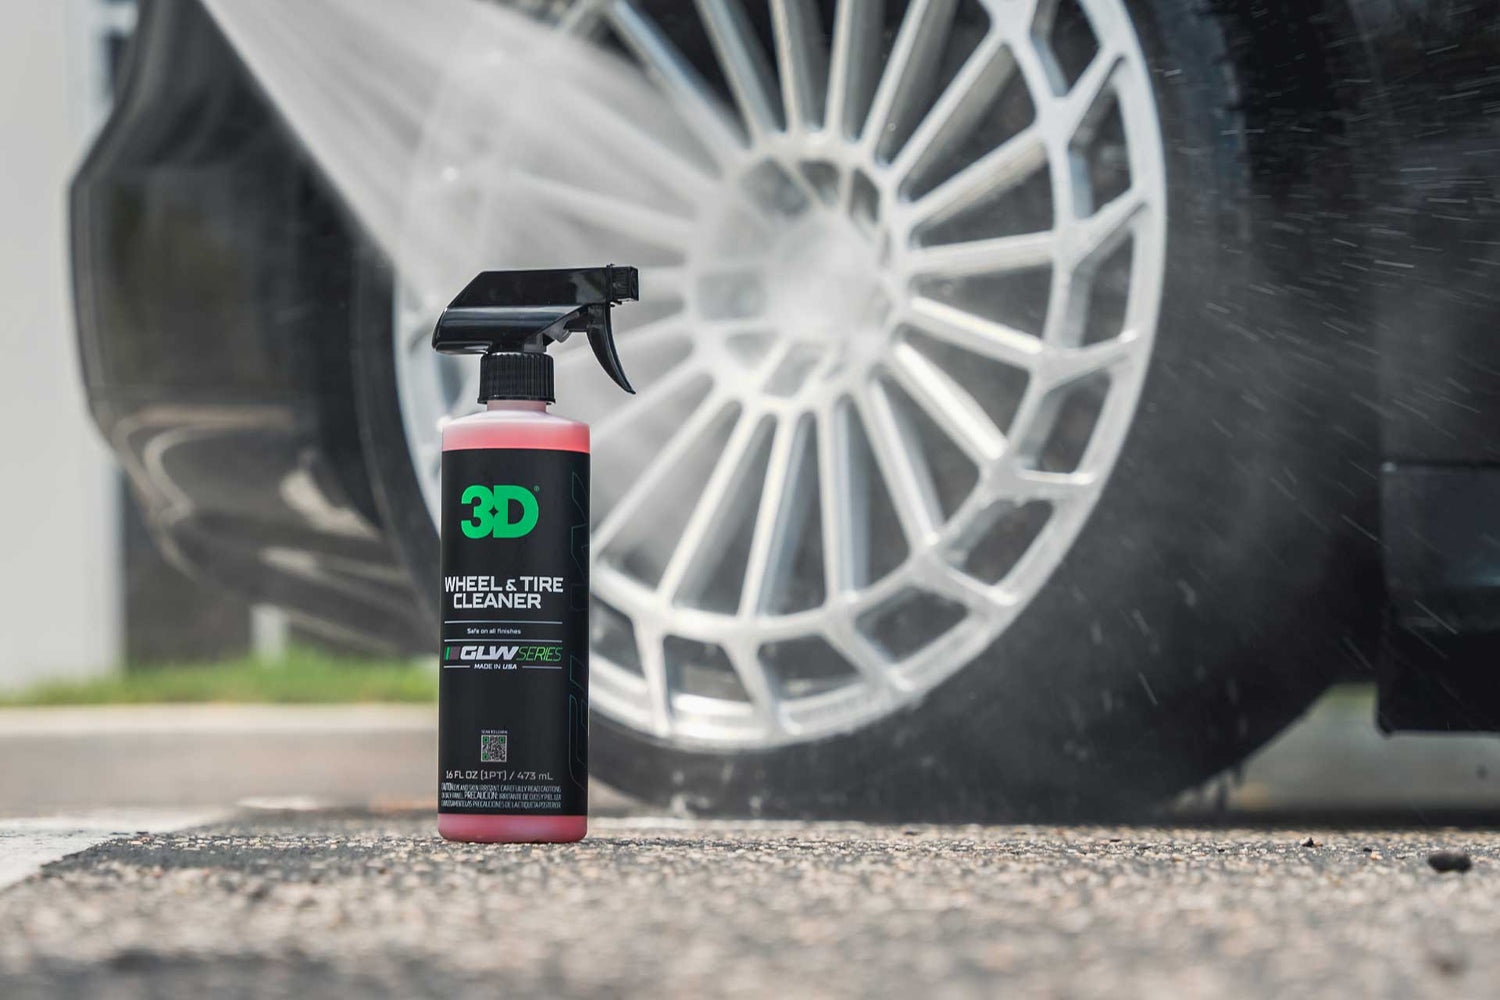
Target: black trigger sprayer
pixel 510 317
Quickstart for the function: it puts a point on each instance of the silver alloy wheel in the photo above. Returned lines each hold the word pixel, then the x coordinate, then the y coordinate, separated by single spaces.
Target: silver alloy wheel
pixel 897 310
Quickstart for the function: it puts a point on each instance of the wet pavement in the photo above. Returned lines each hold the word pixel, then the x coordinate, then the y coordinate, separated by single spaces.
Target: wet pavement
pixel 359 904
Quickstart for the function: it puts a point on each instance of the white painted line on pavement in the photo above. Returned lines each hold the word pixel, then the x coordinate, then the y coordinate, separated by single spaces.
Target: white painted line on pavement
pixel 99 720
pixel 28 843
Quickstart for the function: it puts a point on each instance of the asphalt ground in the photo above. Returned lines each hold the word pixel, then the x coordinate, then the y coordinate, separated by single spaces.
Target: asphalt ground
pixel 366 904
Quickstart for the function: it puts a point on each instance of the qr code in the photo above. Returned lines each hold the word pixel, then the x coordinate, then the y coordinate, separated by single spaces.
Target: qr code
pixel 494 748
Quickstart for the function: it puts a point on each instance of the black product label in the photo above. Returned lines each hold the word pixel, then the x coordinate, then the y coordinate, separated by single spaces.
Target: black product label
pixel 513 691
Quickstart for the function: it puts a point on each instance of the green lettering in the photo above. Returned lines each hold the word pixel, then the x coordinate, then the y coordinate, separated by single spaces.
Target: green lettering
pixel 490 513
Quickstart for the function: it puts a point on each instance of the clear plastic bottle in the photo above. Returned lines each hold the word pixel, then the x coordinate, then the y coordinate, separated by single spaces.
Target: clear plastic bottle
pixel 514 646
pixel 511 424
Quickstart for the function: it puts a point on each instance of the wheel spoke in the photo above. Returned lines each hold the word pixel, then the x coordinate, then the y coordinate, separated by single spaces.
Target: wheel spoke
pixel 902 91
pixel 950 582
pixel 873 665
pixel 800 58
pixel 756 682
pixel 775 524
pixel 689 434
pixel 1041 19
pixel 853 63
pixel 1085 242
pixel 658 689
pixel 975 334
pixel 948 404
pixel 743 62
pixel 1068 364
pixel 1066 117
pixel 963 102
pixel 1021 16
pixel 999 170
pixel 645 399
pixel 1003 253
pixel 910 484
pixel 959 644
pixel 682 85
pixel 1094 237
pixel 725 488
pixel 844 495
pixel 1054 487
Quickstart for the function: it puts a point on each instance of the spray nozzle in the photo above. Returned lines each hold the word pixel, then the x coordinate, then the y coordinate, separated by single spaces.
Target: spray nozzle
pixel 510 317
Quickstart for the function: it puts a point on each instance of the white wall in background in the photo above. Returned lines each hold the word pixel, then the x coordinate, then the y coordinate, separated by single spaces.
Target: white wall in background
pixel 59 552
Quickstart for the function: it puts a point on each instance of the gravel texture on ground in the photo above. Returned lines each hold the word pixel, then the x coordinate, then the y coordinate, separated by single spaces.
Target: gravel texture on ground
pixel 315 905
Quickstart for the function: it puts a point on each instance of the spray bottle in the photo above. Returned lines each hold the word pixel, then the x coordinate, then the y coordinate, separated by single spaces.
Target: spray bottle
pixel 514 680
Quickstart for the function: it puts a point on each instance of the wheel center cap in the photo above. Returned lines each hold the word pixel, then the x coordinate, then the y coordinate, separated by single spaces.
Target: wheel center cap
pixel 825 283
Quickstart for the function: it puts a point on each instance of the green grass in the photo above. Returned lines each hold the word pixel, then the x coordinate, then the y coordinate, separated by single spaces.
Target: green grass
pixel 298 678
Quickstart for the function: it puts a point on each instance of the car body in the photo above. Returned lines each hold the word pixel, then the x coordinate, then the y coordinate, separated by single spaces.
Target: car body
pixel 221 286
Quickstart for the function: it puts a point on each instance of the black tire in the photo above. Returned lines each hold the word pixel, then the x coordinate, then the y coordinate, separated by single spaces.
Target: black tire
pixel 1202 607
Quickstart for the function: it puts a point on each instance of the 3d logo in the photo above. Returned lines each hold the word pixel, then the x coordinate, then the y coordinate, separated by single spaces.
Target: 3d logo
pixel 491 511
